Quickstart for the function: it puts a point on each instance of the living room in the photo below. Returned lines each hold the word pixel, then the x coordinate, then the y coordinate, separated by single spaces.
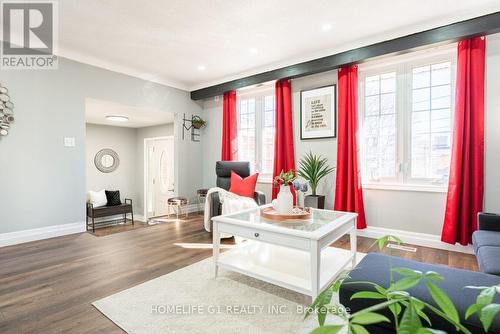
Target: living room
pixel 340 138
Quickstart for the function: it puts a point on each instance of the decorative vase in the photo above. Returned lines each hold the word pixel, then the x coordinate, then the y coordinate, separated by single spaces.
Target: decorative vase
pixel 284 202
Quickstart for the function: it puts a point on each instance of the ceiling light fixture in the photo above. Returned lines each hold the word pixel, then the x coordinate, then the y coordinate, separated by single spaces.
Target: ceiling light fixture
pixel 254 51
pixel 202 68
pixel 326 27
pixel 117 118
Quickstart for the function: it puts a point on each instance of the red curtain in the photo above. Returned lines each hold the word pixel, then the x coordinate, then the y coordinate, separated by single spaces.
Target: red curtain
pixel 229 128
pixel 466 182
pixel 348 191
pixel 284 157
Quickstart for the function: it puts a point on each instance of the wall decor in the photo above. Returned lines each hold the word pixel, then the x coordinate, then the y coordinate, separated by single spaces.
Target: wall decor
pixel 194 124
pixel 318 113
pixel 6 111
pixel 106 160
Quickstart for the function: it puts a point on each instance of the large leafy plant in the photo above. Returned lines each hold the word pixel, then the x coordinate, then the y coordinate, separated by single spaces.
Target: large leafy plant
pixel 313 168
pixel 410 314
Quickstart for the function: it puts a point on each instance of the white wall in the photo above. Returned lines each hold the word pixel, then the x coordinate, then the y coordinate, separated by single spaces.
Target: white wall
pixel 403 210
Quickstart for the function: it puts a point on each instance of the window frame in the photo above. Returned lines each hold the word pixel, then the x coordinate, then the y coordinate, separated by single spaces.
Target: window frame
pixel 259 94
pixel 403 66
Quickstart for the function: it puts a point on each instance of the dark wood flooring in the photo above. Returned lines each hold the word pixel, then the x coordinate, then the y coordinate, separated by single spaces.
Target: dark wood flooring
pixel 48 286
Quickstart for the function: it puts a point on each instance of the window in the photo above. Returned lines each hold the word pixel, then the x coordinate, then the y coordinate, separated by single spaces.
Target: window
pixel 380 126
pixel 256 130
pixel 406 121
pixel 246 130
pixel 431 121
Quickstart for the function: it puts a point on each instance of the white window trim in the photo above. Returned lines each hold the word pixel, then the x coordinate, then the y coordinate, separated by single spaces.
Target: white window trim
pixel 258 93
pixel 436 55
pixel 405 187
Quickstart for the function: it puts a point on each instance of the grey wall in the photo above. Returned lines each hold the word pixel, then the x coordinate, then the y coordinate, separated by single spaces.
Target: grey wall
pixel 129 144
pixel 325 147
pixel 212 140
pixel 124 142
pixel 212 111
pixel 43 182
pixel 414 211
pixel 492 124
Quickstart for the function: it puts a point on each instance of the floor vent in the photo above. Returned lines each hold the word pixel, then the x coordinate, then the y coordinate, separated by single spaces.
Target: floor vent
pixel 403 248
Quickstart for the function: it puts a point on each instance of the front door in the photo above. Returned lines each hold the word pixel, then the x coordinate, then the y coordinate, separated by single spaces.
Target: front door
pixel 160 175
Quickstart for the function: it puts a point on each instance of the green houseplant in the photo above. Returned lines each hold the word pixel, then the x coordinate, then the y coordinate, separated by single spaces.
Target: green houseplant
pixel 198 122
pixel 313 168
pixel 410 314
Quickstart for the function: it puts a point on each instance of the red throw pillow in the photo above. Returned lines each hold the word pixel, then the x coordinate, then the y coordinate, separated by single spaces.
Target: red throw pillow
pixel 243 187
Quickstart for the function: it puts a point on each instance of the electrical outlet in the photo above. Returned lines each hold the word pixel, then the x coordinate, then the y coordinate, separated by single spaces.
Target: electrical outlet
pixel 69 141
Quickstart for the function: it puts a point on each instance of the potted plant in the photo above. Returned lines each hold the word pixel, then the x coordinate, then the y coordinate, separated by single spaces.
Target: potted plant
pixel 198 122
pixel 409 314
pixel 313 168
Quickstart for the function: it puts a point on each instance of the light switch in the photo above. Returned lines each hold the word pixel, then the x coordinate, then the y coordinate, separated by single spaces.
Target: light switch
pixel 69 141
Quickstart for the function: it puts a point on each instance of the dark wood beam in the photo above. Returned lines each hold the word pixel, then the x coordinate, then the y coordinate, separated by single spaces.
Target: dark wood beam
pixel 483 25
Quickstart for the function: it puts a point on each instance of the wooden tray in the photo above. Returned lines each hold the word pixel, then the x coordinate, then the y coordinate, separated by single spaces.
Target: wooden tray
pixel 271 214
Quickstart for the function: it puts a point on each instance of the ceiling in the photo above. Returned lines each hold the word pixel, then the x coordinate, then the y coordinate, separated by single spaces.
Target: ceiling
pixel 192 44
pixel 97 110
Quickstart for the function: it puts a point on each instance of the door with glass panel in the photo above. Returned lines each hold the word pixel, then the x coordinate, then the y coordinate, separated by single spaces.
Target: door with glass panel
pixel 159 175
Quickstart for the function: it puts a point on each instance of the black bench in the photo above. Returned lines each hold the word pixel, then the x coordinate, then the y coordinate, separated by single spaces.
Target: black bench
pixel 107 211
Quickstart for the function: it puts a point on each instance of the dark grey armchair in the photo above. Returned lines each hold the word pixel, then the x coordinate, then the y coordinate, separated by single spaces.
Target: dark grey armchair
pixel 223 171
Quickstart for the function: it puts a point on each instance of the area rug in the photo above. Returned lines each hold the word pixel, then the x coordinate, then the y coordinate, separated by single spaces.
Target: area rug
pixel 191 300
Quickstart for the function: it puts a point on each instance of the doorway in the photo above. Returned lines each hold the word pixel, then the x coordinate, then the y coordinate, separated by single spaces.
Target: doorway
pixel 159 175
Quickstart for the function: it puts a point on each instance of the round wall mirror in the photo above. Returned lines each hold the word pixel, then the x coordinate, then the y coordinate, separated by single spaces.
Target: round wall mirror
pixel 106 160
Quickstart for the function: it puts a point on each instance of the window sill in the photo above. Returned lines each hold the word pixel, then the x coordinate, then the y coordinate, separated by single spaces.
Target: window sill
pixel 406 187
pixel 265 181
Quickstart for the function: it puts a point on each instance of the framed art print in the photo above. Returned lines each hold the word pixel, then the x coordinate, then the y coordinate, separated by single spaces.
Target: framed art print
pixel 318 114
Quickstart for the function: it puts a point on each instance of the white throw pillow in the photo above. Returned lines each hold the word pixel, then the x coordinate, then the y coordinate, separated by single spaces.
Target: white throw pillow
pixel 98 198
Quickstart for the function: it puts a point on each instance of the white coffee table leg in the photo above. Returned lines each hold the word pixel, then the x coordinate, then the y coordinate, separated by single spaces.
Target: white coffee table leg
pixel 216 246
pixel 354 247
pixel 315 269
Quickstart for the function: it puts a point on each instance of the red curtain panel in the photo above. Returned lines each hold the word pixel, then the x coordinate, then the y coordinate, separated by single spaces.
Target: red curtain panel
pixel 284 157
pixel 229 128
pixel 348 191
pixel 466 182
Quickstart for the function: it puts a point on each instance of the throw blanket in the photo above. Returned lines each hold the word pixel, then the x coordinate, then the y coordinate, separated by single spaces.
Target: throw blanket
pixel 231 203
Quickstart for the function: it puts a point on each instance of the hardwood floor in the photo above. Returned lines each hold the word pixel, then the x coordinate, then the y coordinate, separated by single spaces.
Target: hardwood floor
pixel 48 286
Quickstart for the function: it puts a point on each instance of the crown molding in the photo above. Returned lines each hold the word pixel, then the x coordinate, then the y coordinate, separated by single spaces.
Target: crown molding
pixel 452 32
pixel 130 71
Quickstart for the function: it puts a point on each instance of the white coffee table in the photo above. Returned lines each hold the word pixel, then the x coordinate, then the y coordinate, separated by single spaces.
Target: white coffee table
pixel 294 255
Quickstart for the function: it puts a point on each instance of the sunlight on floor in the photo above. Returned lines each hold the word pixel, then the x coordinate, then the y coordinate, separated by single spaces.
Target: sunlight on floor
pixel 203 246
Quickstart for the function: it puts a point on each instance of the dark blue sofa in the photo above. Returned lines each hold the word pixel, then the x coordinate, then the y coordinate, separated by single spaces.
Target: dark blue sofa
pixel 486 242
pixel 376 267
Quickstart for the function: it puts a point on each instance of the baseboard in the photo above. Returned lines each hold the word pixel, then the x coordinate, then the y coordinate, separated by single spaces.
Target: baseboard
pixel 415 238
pixel 139 218
pixel 190 208
pixel 19 237
pixel 194 207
